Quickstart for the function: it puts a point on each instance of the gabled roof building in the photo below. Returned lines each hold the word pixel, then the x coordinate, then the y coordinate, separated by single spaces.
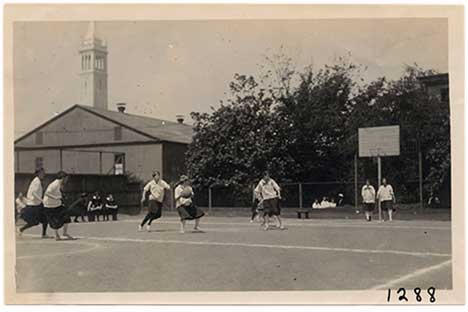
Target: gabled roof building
pixel 91 139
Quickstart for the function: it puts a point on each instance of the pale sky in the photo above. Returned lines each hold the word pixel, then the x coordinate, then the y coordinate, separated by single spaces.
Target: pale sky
pixel 165 68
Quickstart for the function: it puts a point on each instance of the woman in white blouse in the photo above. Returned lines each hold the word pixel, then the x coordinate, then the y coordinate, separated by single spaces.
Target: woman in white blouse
pixel 56 213
pixel 33 214
pixel 183 195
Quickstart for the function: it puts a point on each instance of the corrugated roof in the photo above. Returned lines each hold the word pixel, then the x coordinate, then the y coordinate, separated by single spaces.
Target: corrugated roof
pixel 161 129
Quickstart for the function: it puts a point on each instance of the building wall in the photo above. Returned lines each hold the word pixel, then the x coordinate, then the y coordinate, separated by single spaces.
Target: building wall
pixel 79 127
pixel 140 160
pixel 25 162
pixel 174 161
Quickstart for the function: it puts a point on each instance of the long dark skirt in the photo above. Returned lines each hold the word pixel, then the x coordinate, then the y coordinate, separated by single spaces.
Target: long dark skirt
pixel 57 217
pixel 271 207
pixel 190 212
pixel 33 215
pixel 155 209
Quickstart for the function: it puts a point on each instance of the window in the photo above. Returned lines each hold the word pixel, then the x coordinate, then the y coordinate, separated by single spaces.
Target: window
pixel 39 163
pixel 39 138
pixel 117 133
pixel 119 163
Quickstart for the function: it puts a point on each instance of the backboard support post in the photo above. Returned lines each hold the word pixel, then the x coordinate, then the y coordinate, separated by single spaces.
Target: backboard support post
pixel 379 179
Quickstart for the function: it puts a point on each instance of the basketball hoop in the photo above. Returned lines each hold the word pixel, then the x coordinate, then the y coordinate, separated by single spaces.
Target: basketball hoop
pixel 378 142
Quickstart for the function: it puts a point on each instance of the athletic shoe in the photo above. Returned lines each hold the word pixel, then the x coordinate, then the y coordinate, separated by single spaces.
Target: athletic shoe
pixel 148 228
pixel 198 229
pixel 251 221
pixel 68 236
pixel 282 228
pixel 265 227
pixel 140 228
pixel 18 231
pixel 46 236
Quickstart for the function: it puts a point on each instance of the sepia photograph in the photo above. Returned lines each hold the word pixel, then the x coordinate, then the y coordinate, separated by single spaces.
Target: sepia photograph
pixel 257 154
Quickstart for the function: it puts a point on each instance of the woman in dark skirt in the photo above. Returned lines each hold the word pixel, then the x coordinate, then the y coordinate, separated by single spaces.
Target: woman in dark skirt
pixel 154 193
pixel 57 215
pixel 185 207
pixel 33 214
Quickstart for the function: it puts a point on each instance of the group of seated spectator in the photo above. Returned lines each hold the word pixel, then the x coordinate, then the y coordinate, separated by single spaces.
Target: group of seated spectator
pixel 94 208
pixel 326 203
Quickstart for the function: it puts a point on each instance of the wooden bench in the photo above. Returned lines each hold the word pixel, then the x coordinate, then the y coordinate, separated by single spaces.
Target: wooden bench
pixel 302 212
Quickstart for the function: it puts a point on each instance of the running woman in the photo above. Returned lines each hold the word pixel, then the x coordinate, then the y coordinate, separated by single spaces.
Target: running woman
pixel 386 196
pixel 368 199
pixel 156 189
pixel 269 192
pixel 187 210
pixel 57 215
pixel 33 213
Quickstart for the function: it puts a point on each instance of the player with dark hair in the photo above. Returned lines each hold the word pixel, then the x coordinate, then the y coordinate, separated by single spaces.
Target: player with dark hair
pixel 269 192
pixel 368 199
pixel 57 215
pixel 154 192
pixel 386 196
pixel 33 213
pixel 187 210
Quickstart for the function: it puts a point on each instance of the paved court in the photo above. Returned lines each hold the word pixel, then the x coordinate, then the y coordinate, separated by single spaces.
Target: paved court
pixel 233 254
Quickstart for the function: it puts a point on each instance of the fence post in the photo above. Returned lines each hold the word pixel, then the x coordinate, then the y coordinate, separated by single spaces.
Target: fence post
pixel 421 203
pixel 172 198
pixel 253 192
pixel 209 199
pixel 300 195
pixel 100 163
pixel 61 159
pixel 355 182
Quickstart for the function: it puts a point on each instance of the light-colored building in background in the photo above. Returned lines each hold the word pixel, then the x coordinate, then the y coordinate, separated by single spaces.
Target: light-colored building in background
pixel 91 139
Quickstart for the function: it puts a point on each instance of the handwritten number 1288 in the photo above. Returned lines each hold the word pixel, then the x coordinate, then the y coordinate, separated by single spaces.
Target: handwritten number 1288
pixel 418 295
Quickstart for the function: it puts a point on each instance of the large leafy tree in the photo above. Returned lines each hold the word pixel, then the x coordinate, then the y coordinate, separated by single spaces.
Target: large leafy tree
pixel 320 108
pixel 424 128
pixel 303 126
pixel 240 139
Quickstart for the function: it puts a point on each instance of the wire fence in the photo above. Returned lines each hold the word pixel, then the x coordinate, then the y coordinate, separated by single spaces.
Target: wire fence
pixel 303 195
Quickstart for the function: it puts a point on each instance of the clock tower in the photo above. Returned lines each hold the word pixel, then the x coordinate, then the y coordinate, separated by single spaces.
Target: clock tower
pixel 93 54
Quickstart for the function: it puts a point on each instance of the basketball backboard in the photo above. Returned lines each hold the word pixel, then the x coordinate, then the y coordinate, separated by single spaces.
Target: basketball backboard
pixel 379 141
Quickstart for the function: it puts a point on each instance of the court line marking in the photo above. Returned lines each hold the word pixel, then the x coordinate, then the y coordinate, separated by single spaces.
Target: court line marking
pixel 94 246
pixel 313 248
pixel 412 275
pixel 325 224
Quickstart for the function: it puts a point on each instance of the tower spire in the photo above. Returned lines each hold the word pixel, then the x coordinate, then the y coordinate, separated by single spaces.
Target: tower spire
pixel 91 33
pixel 93 53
